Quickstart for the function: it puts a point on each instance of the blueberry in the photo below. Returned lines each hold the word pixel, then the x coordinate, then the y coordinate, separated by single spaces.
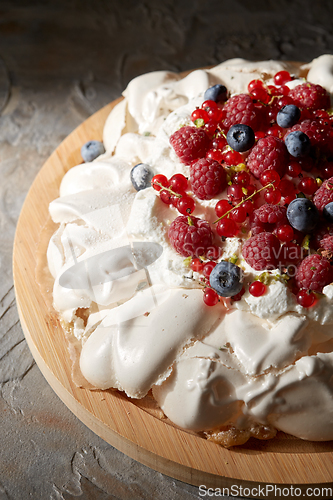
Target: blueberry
pixel 226 279
pixel 217 93
pixel 91 149
pixel 297 143
pixel 302 215
pixel 288 116
pixel 240 137
pixel 141 176
pixel 328 211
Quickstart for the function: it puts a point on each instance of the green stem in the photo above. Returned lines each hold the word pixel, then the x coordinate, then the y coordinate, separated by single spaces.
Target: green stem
pixel 156 183
pixel 271 184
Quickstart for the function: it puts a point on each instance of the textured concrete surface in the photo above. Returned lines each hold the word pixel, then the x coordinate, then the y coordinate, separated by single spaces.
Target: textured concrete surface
pixel 59 62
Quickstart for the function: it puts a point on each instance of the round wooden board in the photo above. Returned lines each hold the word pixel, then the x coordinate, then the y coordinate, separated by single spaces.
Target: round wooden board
pixel 133 430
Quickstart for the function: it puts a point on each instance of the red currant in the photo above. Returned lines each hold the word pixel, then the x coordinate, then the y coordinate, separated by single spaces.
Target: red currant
pixel 209 104
pixel 215 154
pixel 255 84
pixel 214 252
pixel 185 205
pixel 283 101
pixel 273 90
pixel 166 197
pixel 196 265
pixel 207 268
pixel 210 297
pixel 268 177
pixel 235 192
pixel 259 135
pixel 178 182
pixel 218 142
pixel 249 190
pixel 289 199
pixel 306 163
pixel 284 90
pixel 272 196
pixel 199 114
pixel 271 114
pixel 210 127
pixel 175 199
pixel 327 170
pixel 239 214
pixel 249 207
pixel 276 131
pixel 243 178
pixel 307 185
pixel 257 288
pixel 285 233
pixel 287 188
pixel 222 207
pixel 306 114
pixel 227 228
pixel 159 179
pixel 215 114
pixel 261 95
pixel 294 169
pixel 281 78
pixel 233 158
pixel 305 298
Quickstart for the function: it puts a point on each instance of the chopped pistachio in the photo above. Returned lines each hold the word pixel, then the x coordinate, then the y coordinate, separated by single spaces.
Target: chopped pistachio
pixel 306 242
pixel 199 122
pixel 240 167
pixel 233 259
pixel 187 261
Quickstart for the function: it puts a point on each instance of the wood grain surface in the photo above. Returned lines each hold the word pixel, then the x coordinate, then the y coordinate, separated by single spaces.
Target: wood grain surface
pixel 134 429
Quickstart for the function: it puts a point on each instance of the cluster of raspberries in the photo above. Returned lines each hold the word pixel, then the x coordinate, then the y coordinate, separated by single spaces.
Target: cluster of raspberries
pixel 256 212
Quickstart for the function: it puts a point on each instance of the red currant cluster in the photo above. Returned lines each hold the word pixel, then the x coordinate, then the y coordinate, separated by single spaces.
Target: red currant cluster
pixel 210 296
pixel 173 192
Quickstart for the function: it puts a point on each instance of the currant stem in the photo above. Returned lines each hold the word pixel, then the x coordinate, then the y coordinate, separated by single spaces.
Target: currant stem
pixel 271 184
pixel 156 183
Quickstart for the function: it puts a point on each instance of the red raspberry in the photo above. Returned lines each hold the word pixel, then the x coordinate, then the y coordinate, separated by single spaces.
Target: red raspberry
pixel 327 243
pixel 190 236
pixel 313 273
pixel 318 133
pixel 241 109
pixel 270 153
pixel 310 96
pixel 190 143
pixel 261 251
pixel 208 178
pixel 325 228
pixel 268 218
pixel 324 194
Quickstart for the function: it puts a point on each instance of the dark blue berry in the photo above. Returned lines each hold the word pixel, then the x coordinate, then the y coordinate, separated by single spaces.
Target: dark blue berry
pixel 328 211
pixel 288 116
pixel 302 215
pixel 240 137
pixel 297 143
pixel 217 93
pixel 226 279
pixel 91 150
pixel 141 176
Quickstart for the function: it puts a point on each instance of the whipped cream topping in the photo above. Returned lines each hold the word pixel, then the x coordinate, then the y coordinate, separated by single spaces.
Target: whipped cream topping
pixel 266 360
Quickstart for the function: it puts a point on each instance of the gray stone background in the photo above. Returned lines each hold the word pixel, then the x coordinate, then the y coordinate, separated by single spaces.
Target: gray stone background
pixel 60 61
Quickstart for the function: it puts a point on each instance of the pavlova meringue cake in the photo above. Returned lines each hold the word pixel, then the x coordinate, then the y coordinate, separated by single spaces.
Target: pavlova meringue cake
pixel 193 257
